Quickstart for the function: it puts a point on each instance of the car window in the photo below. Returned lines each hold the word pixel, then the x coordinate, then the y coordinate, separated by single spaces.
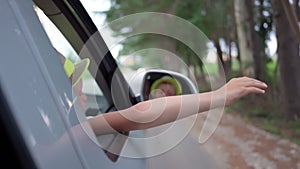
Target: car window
pixel 96 102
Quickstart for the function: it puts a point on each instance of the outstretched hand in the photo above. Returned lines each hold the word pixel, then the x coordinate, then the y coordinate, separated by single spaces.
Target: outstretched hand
pixel 237 88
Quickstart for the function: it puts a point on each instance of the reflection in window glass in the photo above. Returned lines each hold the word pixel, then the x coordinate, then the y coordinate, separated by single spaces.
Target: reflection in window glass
pixel 96 102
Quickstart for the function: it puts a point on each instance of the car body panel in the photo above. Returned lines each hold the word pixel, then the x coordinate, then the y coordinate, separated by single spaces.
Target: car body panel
pixel 28 86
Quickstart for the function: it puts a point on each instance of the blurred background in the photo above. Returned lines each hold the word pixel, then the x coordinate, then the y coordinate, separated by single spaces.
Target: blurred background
pixel 256 38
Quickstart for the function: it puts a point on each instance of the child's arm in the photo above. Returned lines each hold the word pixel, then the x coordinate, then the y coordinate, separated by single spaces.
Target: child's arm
pixel 160 111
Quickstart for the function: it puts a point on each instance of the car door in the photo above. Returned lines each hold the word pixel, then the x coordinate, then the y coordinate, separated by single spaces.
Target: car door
pixel 37 96
pixel 32 101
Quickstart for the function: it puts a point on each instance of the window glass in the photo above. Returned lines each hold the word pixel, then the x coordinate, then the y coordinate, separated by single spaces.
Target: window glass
pixel 95 100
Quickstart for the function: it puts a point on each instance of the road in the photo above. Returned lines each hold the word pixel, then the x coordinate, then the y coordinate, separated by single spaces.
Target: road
pixel 234 145
pixel 237 144
pixel 187 154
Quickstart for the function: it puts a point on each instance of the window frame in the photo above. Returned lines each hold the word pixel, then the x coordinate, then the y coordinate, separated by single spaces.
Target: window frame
pixel 71 18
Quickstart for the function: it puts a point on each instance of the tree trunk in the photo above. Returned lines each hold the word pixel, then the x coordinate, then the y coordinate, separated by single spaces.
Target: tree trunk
pixel 258 60
pixel 297 9
pixel 234 37
pixel 289 61
pixel 243 37
pixel 219 53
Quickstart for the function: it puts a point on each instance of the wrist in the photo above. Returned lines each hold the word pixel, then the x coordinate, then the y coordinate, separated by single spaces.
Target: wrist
pixel 218 98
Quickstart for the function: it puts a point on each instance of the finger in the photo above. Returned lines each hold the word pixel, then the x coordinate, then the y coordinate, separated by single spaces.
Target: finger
pixel 255 90
pixel 255 83
pixel 248 79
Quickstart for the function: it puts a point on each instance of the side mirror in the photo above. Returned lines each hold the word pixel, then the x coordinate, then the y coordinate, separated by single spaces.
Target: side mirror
pixel 148 80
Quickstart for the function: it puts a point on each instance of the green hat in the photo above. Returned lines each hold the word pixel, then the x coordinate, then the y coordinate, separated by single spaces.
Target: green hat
pixel 167 79
pixel 75 71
